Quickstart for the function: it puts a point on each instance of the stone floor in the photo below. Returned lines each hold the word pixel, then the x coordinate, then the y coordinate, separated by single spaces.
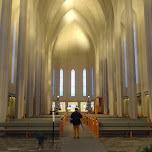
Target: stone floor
pixel 87 143
pixel 117 144
pixel 122 144
pixel 20 144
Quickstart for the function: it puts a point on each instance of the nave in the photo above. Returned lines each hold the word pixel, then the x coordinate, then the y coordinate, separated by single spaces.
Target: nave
pixel 58 55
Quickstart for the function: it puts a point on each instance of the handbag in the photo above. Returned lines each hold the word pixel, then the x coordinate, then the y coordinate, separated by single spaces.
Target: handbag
pixel 71 121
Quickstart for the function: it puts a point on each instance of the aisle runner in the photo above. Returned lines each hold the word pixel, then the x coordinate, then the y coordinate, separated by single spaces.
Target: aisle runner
pixel 86 143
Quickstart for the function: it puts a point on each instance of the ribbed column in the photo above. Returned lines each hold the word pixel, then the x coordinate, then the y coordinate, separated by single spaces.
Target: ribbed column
pixel 97 74
pixel 104 79
pixel 31 59
pixel 118 57
pixel 42 108
pixel 21 60
pixel 148 27
pixel 46 85
pixel 131 61
pixel 110 72
pixel 5 31
pixel 49 92
pixel 38 77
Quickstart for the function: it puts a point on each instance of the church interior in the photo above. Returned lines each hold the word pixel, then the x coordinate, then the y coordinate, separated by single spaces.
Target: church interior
pixel 58 55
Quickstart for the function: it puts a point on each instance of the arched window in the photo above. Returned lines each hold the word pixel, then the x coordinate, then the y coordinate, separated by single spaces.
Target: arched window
pixel 61 82
pixel 135 51
pixel 13 54
pixel 92 83
pixel 72 82
pixel 125 55
pixel 53 80
pixel 84 82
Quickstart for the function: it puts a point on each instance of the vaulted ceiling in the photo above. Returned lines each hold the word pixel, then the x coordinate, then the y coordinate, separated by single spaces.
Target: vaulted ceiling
pixel 91 17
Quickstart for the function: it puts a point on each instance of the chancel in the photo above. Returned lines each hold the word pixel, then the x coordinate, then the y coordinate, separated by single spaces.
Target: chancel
pixel 91 55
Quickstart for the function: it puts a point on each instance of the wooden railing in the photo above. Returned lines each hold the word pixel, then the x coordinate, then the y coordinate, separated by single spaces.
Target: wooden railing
pixel 92 122
pixel 63 121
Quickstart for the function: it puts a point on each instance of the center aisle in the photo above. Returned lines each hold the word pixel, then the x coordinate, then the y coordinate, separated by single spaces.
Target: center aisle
pixel 86 143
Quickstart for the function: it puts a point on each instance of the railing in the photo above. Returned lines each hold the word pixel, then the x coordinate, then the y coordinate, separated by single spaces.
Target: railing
pixel 92 122
pixel 63 121
pixel 84 118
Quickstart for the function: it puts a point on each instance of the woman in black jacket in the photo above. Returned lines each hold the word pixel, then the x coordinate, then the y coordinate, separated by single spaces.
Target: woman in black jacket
pixel 76 116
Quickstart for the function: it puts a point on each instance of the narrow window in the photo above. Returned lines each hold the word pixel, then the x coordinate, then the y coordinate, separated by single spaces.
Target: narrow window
pixel 72 82
pixel 84 82
pixel 53 80
pixel 92 83
pixel 13 54
pixel 125 55
pixel 61 82
pixel 135 51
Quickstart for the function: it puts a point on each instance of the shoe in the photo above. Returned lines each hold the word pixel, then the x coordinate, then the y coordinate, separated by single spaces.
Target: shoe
pixel 78 137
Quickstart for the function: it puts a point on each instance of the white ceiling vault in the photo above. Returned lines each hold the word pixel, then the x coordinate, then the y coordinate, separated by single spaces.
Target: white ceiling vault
pixel 92 18
pixel 87 15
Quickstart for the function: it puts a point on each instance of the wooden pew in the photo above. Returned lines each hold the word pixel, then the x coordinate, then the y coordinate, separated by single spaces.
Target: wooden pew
pixel 29 128
pixel 125 128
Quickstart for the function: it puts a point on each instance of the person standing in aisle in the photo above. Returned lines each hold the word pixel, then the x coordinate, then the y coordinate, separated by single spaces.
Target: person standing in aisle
pixel 76 116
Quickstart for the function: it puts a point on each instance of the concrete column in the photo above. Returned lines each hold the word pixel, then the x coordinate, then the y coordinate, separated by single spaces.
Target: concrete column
pixel 49 78
pixel 118 57
pixel 22 53
pixel 44 80
pixel 148 26
pixel 46 103
pixel 104 83
pixel 110 72
pixel 142 61
pixel 5 31
pixel 131 61
pixel 97 74
pixel 42 108
pixel 31 59
pixel 105 87
pixel 37 77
